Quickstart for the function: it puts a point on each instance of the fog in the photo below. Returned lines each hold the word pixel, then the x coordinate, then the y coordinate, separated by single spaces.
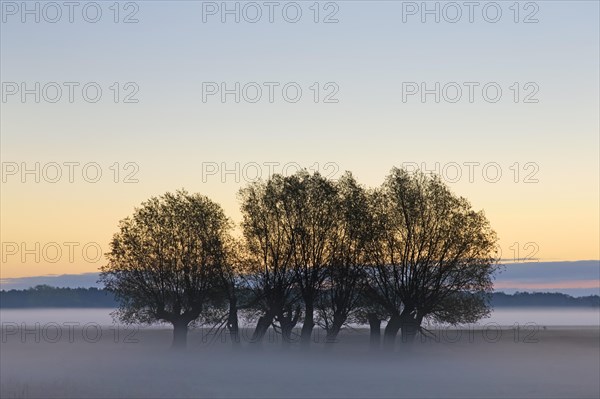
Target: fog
pixel 501 316
pixel 54 360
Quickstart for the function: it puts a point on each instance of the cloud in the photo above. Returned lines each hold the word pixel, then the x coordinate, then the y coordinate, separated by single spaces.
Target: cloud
pixel 550 271
pixel 84 280
pixel 549 285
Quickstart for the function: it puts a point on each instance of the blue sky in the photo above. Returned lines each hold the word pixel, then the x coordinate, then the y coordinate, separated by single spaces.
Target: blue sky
pixel 370 53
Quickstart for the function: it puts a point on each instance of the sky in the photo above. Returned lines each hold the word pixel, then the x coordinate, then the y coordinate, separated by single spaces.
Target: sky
pixel 131 110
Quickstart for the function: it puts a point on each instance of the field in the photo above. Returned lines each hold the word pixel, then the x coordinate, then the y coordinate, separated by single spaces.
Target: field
pixel 554 362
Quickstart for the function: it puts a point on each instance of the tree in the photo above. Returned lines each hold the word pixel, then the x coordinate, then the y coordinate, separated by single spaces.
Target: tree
pixel 435 255
pixel 233 285
pixel 164 261
pixel 370 312
pixel 292 227
pixel 340 294
pixel 313 211
pixel 227 295
pixel 267 229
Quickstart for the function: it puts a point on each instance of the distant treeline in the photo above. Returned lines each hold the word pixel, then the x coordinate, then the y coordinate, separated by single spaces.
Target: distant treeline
pixel 44 296
pixel 500 299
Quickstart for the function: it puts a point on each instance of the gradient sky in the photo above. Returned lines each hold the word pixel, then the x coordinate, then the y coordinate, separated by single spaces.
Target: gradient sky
pixel 369 53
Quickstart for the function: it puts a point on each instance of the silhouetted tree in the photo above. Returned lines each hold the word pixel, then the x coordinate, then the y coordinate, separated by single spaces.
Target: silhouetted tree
pixel 267 227
pixel 344 274
pixel 370 312
pixel 313 223
pixel 435 255
pixel 164 261
pixel 233 284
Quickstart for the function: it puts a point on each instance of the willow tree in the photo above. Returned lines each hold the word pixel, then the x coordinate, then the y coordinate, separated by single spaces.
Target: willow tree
pixel 290 225
pixel 313 212
pixel 344 273
pixel 267 231
pixel 164 261
pixel 435 255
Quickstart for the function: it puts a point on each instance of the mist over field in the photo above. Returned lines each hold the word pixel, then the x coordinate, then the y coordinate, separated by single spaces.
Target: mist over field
pixel 504 317
pixel 80 353
pixel 556 362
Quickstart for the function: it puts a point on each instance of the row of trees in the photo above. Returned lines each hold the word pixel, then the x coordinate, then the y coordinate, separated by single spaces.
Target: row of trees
pixel 313 252
pixel 45 296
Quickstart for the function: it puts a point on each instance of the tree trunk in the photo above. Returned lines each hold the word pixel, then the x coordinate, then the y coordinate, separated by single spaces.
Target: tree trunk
pixel 374 331
pixel 232 324
pixel 286 333
pixel 264 322
pixel 332 333
pixel 336 326
pixel 180 330
pixel 391 330
pixel 308 325
pixel 288 320
pixel 410 327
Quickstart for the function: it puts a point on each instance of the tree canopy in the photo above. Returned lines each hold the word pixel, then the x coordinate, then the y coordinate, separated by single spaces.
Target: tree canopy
pixel 164 260
pixel 313 251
